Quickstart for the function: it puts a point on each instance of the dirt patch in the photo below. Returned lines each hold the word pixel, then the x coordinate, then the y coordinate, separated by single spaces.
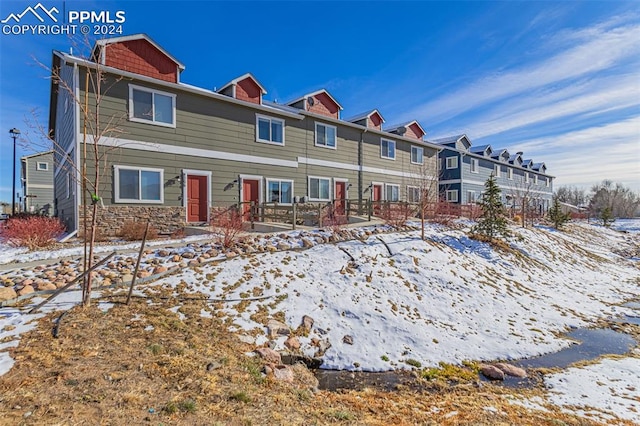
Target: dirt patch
pixel 143 364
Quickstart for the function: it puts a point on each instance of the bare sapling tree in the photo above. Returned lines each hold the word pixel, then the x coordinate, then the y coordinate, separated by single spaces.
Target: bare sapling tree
pixel 423 188
pixel 520 196
pixel 86 94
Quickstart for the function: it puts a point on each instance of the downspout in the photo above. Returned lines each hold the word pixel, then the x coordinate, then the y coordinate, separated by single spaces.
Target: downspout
pixel 361 166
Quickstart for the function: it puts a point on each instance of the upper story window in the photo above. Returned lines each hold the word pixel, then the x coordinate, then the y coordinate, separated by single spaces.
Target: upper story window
pixel 387 149
pixel 535 179
pixel 474 165
pixel 325 135
pixel 548 182
pixel 496 170
pixel 138 185
pixel 526 177
pixel 42 166
pixel 417 155
pixel 152 106
pixel 269 130
pixel 319 189
pixel 279 191
pixel 510 173
pixel 452 162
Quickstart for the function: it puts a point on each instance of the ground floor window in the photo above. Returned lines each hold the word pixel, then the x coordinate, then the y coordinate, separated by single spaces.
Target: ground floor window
pixel 279 191
pixel 138 185
pixel 452 196
pixel 392 192
pixel 319 189
pixel 413 194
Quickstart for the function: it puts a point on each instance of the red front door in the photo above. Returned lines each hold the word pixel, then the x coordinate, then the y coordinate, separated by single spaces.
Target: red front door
pixel 250 192
pixel 340 197
pixel 197 199
pixel 377 198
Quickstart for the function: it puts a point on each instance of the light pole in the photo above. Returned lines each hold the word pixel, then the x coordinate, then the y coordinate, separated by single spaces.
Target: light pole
pixel 14 134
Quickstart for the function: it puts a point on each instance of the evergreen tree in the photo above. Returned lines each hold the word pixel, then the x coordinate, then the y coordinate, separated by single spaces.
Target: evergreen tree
pixel 493 221
pixel 606 216
pixel 556 215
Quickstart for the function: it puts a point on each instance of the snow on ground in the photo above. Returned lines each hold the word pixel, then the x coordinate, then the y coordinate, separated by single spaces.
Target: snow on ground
pixel 445 299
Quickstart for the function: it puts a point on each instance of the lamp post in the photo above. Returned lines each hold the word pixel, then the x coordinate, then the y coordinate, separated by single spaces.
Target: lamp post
pixel 14 134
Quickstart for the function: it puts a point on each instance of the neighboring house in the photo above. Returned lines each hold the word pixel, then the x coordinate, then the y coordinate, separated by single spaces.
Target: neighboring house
pixel 36 176
pixel 181 150
pixel 466 168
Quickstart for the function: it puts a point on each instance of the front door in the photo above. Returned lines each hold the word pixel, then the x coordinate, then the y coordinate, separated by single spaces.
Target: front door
pixel 340 197
pixel 197 198
pixel 377 198
pixel 250 192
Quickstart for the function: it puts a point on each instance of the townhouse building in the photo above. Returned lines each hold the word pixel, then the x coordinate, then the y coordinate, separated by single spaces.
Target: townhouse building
pixel 172 152
pixel 465 169
pixel 36 177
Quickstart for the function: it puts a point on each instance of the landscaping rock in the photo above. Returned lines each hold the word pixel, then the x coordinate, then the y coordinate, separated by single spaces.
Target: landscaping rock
pixel 511 370
pixel 159 270
pixel 276 328
pixel 283 246
pixel 292 343
pixel 307 323
pixel 269 355
pixel 283 373
pixel 310 362
pixel 491 372
pixel 7 293
pixel 347 340
pixel 27 289
pixel 46 286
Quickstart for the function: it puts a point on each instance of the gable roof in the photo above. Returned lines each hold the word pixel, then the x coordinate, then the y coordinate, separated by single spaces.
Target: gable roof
pixel 481 149
pixel 539 166
pixel 140 36
pixel 449 139
pixel 364 115
pixel 527 163
pixel 37 154
pixel 394 127
pixel 241 78
pixel 500 152
pixel 312 94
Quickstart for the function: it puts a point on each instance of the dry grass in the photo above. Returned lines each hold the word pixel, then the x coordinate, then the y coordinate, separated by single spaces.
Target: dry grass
pixel 112 368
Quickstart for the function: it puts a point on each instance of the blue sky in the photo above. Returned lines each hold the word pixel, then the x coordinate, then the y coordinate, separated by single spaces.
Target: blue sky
pixel 557 80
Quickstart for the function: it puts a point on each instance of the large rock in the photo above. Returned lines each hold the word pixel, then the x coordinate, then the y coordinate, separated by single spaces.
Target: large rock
pixel 283 373
pixel 307 323
pixel 27 289
pixel 491 372
pixel 7 293
pixel 292 343
pixel 269 355
pixel 511 370
pixel 276 328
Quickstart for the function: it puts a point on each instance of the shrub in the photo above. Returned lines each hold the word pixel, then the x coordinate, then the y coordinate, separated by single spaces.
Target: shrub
pixel 396 214
pixel 32 232
pixel 332 220
pixel 228 223
pixel 134 231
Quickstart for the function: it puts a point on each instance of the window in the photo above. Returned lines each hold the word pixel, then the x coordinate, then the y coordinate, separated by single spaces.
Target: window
pixel 269 130
pixel 452 196
pixel 474 165
pixel 496 170
pixel 42 166
pixel 471 197
pixel 392 192
pixel 279 191
pixel 452 162
pixel 535 179
pixel 387 149
pixel 417 155
pixel 510 173
pixel 152 106
pixel 548 182
pixel 138 185
pixel 413 194
pixel 526 177
pixel 319 189
pixel 325 135
pixel 69 185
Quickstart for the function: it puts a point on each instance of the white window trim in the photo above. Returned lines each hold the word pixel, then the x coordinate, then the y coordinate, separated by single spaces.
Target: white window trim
pixel 133 87
pixel 116 185
pixel 268 180
pixel 454 160
pixel 452 196
pixel 389 141
pixel 421 156
pixel 548 182
pixel 526 177
pixel 497 170
pixel 535 179
pixel 477 167
pixel 317 123
pixel 309 188
pixel 42 169
pixel 266 117
pixel 185 179
pixel 471 197
pixel 390 185
pixel 410 188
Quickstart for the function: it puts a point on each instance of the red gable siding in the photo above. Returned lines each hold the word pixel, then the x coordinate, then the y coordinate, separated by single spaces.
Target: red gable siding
pixel 414 132
pixel 324 105
pixel 248 90
pixel 374 121
pixel 141 57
